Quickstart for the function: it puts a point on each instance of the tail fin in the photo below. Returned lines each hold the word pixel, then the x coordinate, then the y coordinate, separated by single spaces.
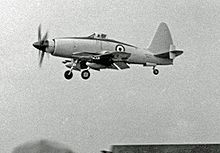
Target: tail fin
pixel 162 41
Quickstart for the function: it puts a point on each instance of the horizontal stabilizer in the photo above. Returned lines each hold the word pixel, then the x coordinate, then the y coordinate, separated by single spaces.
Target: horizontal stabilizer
pixel 173 54
pixel 170 55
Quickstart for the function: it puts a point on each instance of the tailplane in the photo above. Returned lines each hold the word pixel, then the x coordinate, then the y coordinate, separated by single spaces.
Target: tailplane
pixel 170 55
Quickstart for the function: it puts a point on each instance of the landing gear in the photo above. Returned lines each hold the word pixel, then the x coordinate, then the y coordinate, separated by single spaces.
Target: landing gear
pixel 155 71
pixel 78 66
pixel 85 74
pixel 68 74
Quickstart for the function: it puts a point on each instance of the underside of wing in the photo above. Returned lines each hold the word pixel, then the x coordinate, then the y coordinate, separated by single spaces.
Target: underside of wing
pixel 97 61
pixel 121 65
pixel 117 56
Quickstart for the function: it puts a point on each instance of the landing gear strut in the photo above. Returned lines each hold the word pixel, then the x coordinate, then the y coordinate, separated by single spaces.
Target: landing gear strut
pixel 155 71
pixel 85 74
pixel 68 74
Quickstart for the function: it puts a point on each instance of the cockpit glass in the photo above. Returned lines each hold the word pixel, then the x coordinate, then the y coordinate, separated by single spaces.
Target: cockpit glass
pixel 92 36
pixel 98 35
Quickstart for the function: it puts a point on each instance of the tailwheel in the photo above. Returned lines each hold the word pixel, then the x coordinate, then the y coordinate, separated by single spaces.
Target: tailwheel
pixel 155 71
pixel 68 74
pixel 85 74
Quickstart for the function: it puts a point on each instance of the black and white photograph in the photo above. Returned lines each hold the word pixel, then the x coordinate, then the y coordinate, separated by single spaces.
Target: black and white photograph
pixel 110 76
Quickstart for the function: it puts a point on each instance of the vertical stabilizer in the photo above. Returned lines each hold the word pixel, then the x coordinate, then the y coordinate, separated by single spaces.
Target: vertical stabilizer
pixel 162 40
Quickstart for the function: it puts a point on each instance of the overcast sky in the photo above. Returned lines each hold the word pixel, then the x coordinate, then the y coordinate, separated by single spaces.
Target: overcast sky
pixel 180 105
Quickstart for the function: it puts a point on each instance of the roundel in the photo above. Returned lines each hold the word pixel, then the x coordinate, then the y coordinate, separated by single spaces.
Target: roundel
pixel 119 48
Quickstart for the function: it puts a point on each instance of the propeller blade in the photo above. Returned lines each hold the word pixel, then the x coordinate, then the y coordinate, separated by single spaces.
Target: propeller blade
pixel 45 36
pixel 39 33
pixel 42 45
pixel 41 59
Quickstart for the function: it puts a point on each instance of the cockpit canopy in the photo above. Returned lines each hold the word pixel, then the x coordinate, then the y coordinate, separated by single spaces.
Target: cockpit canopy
pixel 98 36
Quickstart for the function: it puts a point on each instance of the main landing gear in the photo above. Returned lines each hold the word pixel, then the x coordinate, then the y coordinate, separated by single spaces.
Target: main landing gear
pixel 85 74
pixel 155 71
pixel 68 74
pixel 77 65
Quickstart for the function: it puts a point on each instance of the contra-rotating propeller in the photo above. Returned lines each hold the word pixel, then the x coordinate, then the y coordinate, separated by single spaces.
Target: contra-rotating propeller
pixel 41 45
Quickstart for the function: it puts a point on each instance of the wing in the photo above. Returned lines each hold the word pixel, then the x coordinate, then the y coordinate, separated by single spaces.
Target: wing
pixel 121 65
pixel 118 59
pixel 84 55
pixel 114 60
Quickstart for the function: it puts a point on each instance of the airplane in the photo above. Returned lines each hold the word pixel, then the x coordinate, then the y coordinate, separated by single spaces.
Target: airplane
pixel 97 52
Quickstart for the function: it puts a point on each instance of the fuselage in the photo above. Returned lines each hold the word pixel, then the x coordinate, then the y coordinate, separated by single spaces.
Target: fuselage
pixel 98 52
pixel 67 46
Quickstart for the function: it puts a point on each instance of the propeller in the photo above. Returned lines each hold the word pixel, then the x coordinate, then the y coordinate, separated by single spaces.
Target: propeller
pixel 41 45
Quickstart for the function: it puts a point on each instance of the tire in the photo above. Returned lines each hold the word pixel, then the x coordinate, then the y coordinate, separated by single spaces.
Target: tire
pixel 85 74
pixel 68 75
pixel 156 71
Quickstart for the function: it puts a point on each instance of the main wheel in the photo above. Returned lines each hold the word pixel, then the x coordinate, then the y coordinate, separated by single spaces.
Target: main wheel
pixel 85 74
pixel 155 71
pixel 68 74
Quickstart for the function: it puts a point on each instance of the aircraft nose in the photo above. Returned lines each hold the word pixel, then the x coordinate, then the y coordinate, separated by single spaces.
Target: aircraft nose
pixel 36 45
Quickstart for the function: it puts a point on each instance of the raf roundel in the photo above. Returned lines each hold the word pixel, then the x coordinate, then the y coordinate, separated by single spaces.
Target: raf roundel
pixel 119 48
